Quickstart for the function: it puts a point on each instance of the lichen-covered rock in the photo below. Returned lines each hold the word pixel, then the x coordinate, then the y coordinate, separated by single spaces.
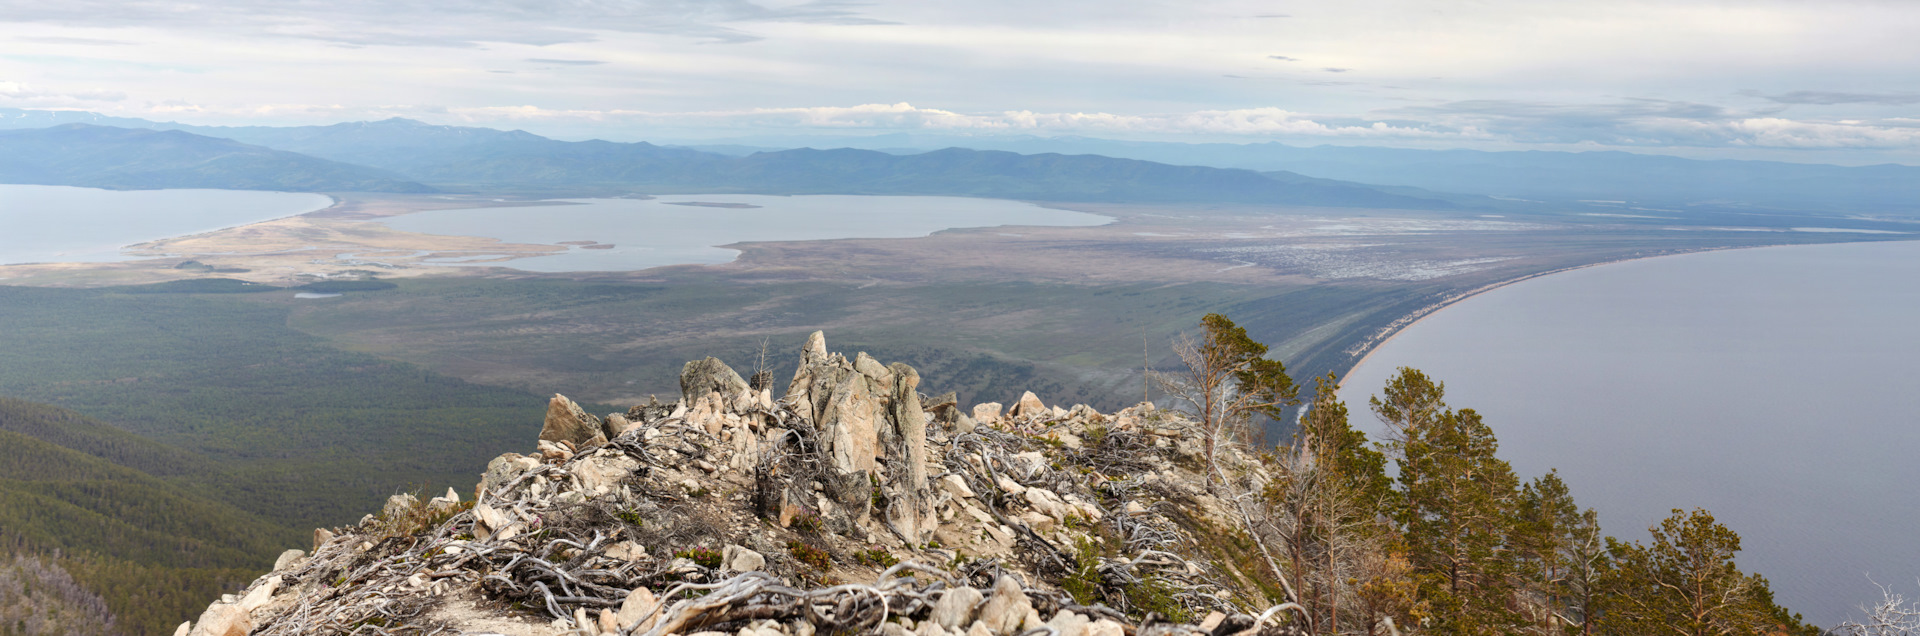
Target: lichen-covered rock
pixel 710 375
pixel 399 505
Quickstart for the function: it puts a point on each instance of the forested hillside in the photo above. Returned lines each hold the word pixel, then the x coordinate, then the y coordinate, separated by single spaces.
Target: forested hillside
pixel 147 548
pixel 232 436
pixel 269 419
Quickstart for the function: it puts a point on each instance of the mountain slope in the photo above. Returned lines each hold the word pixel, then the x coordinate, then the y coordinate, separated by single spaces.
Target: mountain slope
pixel 77 432
pixel 124 158
pixel 145 547
pixel 67 498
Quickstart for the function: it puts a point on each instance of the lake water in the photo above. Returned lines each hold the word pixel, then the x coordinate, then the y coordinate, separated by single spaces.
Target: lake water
pixel 666 231
pixel 60 224
pixel 1778 388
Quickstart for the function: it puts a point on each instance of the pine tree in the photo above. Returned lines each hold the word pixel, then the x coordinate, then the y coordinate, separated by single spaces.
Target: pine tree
pixel 1455 506
pixel 1228 380
pixel 1457 516
pixel 1324 508
pixel 1685 583
pixel 1562 556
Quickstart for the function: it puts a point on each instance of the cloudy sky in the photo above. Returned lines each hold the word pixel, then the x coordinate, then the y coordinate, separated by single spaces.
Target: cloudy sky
pixel 1832 80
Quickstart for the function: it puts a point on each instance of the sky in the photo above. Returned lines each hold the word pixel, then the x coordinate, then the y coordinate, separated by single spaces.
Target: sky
pixel 1827 81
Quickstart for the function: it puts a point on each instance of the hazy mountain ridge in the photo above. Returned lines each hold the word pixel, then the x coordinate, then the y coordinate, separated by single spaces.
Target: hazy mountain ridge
pixel 1371 176
pixel 1558 176
pixel 480 158
pixel 134 159
pixel 465 156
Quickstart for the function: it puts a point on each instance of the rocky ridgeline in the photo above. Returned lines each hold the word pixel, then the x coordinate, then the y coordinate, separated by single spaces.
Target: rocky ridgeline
pixel 852 504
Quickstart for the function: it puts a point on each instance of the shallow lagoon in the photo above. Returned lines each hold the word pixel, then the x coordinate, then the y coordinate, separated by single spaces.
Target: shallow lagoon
pixel 668 231
pixel 60 224
pixel 1775 387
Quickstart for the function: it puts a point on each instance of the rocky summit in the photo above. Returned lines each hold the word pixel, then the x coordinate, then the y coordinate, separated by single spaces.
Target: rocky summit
pixel 851 504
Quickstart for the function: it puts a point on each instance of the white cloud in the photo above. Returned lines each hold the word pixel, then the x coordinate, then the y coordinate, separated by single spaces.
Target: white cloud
pixel 905 116
pixel 24 95
pixel 1786 133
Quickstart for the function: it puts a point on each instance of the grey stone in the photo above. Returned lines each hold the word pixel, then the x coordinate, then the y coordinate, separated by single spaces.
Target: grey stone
pixel 444 502
pixel 501 471
pixel 398 505
pixel 567 422
pixel 223 619
pixel 320 537
pixel 740 559
pixel 1106 627
pixel 957 486
pixel 1029 406
pixel 636 608
pixel 709 375
pixel 954 610
pixel 913 499
pixel 1006 608
pixel 616 423
pixel 849 426
pixel 1069 624
pixel 288 559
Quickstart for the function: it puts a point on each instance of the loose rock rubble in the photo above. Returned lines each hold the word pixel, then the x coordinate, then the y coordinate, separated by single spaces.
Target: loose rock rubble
pixel 852 504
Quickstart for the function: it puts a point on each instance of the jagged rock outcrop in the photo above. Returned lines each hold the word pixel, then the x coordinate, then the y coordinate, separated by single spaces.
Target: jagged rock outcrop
pixel 727 512
pixel 873 433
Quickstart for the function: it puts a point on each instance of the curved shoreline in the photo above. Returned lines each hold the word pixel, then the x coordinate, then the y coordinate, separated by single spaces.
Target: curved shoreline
pixel 1366 348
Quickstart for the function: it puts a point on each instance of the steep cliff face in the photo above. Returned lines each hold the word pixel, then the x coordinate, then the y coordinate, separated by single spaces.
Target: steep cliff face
pixel 852 504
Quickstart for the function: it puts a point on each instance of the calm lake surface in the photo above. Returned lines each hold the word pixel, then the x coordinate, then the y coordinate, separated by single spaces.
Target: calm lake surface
pixel 1778 388
pixel 665 231
pixel 60 224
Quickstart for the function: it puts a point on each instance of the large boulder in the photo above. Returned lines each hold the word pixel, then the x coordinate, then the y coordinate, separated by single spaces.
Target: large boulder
pixel 954 610
pixel 567 422
pixel 1028 406
pixel 1006 608
pixel 710 375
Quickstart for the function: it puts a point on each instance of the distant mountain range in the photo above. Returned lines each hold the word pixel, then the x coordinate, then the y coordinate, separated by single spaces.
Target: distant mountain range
pixel 401 155
pixel 1557 177
pixel 131 159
